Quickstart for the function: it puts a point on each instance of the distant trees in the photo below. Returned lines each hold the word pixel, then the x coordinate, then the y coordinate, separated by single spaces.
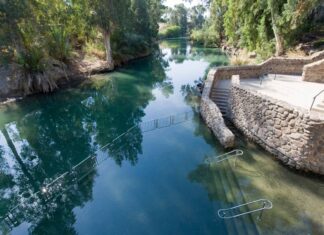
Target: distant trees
pixel 265 25
pixel 170 31
pixel 183 19
pixel 197 16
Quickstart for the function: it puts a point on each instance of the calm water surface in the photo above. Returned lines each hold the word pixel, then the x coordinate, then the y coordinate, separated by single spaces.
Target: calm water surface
pixel 152 182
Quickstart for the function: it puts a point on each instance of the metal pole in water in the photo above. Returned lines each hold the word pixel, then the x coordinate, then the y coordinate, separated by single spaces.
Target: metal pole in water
pixel 261 213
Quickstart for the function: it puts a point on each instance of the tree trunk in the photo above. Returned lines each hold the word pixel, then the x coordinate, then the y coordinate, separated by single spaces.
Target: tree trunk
pixel 107 43
pixel 279 41
pixel 278 36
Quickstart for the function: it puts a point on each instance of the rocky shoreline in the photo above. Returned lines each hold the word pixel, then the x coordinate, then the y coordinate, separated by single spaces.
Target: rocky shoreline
pixel 77 70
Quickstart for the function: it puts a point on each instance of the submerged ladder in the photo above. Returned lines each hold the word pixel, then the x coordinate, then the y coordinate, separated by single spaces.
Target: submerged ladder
pixel 250 207
pixel 223 157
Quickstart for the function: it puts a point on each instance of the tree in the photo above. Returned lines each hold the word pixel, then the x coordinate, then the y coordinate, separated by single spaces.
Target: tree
pixel 264 25
pixel 197 17
pixel 179 17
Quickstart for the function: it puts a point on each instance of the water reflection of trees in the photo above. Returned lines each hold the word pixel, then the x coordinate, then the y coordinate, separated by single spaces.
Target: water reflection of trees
pixel 181 50
pixel 54 133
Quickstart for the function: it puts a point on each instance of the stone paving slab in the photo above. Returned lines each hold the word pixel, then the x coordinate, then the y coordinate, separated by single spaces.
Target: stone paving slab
pixel 290 89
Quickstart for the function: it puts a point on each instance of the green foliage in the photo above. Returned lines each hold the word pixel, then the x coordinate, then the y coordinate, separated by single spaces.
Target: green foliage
pixel 178 16
pixel 206 37
pixel 58 44
pixel 31 60
pixel 262 25
pixel 170 31
pixel 35 31
pixel 197 17
pixel 129 45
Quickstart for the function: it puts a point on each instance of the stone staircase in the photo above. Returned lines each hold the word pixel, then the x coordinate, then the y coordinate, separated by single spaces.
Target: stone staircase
pixel 319 107
pixel 220 97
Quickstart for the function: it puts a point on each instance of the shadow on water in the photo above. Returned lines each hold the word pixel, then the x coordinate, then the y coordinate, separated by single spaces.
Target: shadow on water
pixel 44 136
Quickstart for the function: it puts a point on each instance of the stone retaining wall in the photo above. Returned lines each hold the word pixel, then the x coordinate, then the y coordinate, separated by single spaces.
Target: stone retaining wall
pixel 291 134
pixel 213 116
pixel 314 72
pixel 274 65
pixel 287 132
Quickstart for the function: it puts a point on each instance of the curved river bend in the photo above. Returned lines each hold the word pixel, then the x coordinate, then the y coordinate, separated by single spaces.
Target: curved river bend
pixel 151 180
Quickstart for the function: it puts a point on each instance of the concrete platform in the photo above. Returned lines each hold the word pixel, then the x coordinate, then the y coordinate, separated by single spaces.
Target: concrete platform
pixel 290 89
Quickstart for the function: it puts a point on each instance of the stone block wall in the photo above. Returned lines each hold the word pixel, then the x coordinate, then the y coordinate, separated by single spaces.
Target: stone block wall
pixel 213 116
pixel 274 65
pixel 289 133
pixel 314 72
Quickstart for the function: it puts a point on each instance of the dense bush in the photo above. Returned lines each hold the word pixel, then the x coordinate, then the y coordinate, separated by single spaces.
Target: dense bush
pixel 205 37
pixel 170 31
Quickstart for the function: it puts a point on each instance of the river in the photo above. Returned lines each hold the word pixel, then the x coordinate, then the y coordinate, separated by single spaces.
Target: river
pixel 123 153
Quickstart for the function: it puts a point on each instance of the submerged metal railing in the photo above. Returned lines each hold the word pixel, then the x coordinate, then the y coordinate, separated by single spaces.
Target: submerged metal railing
pixel 165 122
pixel 30 202
pixel 223 157
pixel 236 211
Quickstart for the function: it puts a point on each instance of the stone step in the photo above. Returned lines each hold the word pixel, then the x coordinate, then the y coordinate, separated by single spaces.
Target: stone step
pixel 319 110
pixel 223 101
pixel 222 106
pixel 320 106
pixel 219 95
pixel 219 98
pixel 220 91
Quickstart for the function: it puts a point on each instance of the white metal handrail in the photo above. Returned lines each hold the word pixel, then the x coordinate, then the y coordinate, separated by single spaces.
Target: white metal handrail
pixel 229 213
pixel 223 157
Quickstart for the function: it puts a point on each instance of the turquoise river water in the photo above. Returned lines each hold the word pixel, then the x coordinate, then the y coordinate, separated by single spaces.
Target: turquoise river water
pixel 151 180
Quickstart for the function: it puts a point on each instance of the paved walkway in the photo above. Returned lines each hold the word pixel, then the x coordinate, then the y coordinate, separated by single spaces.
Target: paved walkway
pixel 290 89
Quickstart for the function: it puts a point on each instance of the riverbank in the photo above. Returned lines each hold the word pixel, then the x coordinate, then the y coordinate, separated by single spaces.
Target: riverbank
pixel 59 75
pixel 242 56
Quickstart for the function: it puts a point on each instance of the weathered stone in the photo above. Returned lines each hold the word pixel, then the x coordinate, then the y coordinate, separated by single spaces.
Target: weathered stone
pixel 274 124
pixel 296 136
pixel 213 117
pixel 284 124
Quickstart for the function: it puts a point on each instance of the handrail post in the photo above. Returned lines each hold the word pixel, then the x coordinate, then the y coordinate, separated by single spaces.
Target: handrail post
pixel 315 97
pixel 261 213
pixel 312 104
